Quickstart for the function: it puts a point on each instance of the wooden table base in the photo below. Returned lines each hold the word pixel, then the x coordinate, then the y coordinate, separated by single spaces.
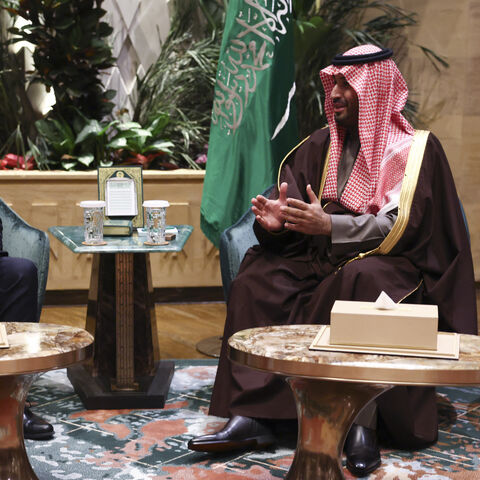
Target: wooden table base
pixel 126 371
pixel 326 411
pixel 97 393
pixel 121 316
pixel 14 464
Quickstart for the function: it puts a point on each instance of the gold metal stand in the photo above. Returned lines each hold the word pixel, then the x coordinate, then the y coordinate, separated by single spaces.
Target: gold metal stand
pixel 326 411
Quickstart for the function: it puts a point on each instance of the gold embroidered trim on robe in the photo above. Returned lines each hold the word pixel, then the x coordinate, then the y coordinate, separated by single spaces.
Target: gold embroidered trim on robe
pixel 409 293
pixel 324 176
pixel 409 185
pixel 286 157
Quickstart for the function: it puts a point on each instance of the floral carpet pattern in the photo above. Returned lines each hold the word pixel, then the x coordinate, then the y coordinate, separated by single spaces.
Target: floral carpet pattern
pixel 151 444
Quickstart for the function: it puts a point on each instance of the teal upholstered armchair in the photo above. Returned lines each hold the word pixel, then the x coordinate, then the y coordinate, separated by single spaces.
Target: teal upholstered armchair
pixel 234 242
pixel 24 241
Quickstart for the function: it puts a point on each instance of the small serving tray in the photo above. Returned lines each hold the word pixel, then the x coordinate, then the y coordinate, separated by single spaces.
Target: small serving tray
pixel 448 346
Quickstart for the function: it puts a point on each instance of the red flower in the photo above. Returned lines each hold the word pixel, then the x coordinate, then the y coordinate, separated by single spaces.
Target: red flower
pixel 16 162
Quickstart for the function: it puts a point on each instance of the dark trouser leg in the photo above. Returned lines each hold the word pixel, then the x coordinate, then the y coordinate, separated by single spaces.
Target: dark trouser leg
pixel 409 416
pixel 18 290
pixel 18 303
pixel 368 416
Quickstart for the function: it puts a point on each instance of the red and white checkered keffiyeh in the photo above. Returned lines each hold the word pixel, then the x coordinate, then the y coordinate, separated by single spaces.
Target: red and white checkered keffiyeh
pixel 385 135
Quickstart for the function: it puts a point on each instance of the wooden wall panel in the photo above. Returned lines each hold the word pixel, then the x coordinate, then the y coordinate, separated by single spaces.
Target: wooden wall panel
pixel 450 100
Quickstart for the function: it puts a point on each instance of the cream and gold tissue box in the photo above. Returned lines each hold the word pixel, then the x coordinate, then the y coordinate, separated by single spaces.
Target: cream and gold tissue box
pixel 362 323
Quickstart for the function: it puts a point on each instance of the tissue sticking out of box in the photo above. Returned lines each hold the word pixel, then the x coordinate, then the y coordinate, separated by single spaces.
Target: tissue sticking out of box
pixel 384 302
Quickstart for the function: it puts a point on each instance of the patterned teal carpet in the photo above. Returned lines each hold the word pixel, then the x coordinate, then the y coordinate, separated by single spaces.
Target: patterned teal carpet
pixel 151 444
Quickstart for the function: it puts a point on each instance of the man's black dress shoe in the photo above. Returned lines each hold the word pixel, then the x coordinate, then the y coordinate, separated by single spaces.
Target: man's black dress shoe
pixel 34 427
pixel 361 448
pixel 238 434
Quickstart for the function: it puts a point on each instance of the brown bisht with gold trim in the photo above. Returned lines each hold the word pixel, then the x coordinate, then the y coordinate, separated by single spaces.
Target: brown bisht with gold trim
pixel 291 278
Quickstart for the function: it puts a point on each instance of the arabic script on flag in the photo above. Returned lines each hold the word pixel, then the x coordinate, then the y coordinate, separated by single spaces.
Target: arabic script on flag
pixel 259 25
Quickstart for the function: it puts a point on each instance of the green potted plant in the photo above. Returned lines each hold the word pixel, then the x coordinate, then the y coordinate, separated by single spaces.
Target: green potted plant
pixel 17 115
pixel 181 81
pixel 71 49
pixel 89 143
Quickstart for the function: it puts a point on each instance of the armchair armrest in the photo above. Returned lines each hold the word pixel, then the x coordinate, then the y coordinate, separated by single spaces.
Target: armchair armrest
pixel 234 242
pixel 24 241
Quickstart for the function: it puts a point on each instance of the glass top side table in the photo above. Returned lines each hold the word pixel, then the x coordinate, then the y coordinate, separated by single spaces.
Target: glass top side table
pixel 126 371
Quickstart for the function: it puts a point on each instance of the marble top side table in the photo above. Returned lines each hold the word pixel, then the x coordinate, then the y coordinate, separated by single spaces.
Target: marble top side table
pixel 34 348
pixel 330 388
pixel 126 371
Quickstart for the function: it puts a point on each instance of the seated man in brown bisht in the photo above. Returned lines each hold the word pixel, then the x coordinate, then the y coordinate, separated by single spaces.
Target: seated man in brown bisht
pixel 18 303
pixel 365 205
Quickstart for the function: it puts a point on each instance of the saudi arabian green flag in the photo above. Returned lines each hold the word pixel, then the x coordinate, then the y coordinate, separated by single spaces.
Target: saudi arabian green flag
pixel 253 118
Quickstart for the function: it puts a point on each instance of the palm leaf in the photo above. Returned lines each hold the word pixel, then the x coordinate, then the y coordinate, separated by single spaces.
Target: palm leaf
pixel 180 84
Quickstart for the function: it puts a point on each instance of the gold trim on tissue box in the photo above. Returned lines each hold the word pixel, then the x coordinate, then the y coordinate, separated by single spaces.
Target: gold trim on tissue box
pixel 448 346
pixel 406 326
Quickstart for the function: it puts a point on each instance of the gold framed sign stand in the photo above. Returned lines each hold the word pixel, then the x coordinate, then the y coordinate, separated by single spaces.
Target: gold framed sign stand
pixel 122 190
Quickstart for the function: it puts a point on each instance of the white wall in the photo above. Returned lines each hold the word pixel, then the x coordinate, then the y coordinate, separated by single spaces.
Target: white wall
pixel 140 26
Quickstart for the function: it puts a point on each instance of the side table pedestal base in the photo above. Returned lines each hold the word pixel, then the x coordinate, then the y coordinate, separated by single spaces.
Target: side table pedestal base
pixel 326 411
pixel 96 393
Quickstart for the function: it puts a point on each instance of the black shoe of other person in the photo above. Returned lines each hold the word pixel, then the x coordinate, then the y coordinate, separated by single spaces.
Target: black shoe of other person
pixel 361 449
pixel 34 427
pixel 240 433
